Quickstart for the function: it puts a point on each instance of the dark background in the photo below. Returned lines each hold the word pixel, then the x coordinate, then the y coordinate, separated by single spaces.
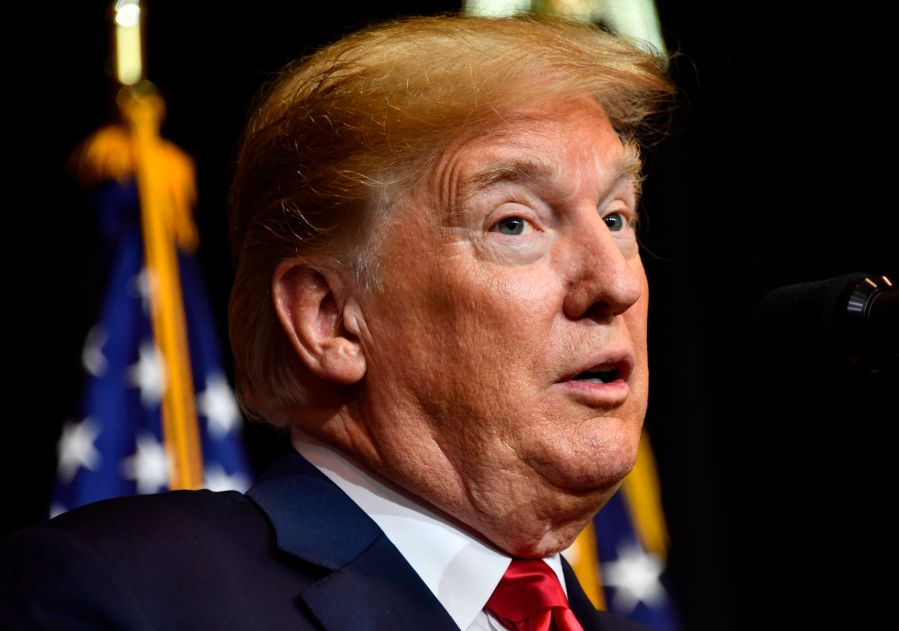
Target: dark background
pixel 780 168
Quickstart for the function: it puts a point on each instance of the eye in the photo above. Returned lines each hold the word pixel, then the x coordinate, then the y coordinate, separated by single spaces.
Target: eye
pixel 615 222
pixel 512 226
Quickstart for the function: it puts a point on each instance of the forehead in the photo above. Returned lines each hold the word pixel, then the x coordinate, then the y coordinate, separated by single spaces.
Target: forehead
pixel 567 141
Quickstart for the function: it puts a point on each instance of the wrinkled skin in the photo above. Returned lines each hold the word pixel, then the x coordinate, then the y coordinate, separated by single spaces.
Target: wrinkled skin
pixel 513 267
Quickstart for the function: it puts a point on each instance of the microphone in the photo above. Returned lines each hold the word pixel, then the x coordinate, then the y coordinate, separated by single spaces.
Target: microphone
pixel 850 321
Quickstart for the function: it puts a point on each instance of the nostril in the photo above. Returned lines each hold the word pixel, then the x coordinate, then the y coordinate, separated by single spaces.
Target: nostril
pixel 602 296
pixel 598 311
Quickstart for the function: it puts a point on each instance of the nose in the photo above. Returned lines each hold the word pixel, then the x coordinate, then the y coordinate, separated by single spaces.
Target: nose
pixel 606 274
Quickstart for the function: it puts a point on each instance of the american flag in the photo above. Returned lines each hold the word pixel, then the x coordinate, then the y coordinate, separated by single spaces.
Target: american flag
pixel 633 577
pixel 115 445
pixel 620 558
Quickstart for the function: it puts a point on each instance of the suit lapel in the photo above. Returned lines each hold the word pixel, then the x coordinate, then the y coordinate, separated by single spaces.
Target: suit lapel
pixel 312 518
pixel 371 586
pixel 580 603
pixel 377 591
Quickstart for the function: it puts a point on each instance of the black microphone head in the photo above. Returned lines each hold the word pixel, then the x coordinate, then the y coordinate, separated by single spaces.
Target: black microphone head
pixel 841 321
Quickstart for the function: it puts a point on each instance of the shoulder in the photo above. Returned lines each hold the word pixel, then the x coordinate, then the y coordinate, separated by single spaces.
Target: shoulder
pixel 144 531
pixel 157 520
pixel 144 511
pixel 137 563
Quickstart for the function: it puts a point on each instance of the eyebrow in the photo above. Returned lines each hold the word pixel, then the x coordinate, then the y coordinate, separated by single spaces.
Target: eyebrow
pixel 519 170
pixel 627 166
pixel 630 166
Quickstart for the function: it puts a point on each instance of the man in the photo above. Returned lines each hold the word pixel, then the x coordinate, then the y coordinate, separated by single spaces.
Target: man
pixel 439 291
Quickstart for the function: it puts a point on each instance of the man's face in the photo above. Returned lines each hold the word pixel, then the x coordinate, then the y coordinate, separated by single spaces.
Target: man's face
pixel 506 357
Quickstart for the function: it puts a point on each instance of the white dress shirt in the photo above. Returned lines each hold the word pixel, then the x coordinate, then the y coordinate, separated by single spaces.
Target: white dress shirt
pixel 459 569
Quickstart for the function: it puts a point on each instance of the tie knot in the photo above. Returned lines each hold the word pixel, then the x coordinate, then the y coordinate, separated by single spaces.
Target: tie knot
pixel 530 597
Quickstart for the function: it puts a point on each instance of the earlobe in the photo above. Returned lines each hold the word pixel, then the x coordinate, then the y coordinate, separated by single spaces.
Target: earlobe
pixel 311 306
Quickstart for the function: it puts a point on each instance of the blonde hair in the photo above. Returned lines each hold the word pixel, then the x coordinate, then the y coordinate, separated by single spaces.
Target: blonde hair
pixel 340 134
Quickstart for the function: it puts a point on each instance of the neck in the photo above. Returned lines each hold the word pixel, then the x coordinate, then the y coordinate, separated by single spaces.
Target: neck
pixel 511 508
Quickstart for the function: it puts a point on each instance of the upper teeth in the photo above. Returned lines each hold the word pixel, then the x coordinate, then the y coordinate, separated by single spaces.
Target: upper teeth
pixel 596 375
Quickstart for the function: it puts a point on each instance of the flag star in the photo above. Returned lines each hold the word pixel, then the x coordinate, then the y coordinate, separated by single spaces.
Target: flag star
pixel 218 480
pixel 217 404
pixel 76 449
pixel 92 357
pixel 149 466
pixel 635 577
pixel 143 284
pixel 148 374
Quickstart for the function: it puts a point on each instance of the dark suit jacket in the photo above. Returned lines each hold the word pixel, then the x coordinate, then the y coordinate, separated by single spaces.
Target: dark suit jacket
pixel 296 553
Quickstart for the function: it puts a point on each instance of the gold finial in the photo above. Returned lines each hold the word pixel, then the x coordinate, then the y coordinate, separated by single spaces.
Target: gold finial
pixel 128 18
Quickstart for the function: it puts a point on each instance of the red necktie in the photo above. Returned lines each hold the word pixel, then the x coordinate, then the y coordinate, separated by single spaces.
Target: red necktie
pixel 530 598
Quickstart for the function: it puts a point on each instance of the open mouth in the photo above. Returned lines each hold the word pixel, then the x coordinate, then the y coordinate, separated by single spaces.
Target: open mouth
pixel 599 375
pixel 608 371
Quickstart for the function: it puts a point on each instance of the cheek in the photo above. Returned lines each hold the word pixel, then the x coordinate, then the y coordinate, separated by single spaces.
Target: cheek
pixel 641 309
pixel 426 331
pixel 470 345
pixel 636 319
pixel 523 301
pixel 509 327
pixel 498 305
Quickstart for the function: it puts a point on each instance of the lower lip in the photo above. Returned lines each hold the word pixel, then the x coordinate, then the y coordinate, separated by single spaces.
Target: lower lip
pixel 612 393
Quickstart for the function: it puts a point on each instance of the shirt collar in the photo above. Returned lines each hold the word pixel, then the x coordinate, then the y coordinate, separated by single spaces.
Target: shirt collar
pixel 460 570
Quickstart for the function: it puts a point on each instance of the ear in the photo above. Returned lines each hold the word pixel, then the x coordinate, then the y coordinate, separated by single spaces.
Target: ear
pixel 311 306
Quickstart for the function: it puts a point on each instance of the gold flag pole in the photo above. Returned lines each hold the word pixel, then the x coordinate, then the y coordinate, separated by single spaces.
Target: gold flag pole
pixel 164 177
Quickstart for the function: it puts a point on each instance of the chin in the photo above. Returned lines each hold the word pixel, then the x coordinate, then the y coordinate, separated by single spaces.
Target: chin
pixel 592 466
pixel 547 543
pixel 546 522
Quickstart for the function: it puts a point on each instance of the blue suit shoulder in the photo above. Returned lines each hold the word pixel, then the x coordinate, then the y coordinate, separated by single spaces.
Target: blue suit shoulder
pixel 294 554
pixel 184 559
pixel 120 525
